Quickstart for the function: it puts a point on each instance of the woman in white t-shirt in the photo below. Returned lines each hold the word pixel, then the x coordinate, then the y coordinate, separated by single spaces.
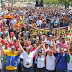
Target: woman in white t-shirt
pixel 41 59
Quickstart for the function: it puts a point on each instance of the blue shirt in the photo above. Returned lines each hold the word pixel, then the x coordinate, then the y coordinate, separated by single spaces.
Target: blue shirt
pixel 66 24
pixel 27 21
pixel 1 33
pixel 6 32
pixel 62 64
pixel 13 22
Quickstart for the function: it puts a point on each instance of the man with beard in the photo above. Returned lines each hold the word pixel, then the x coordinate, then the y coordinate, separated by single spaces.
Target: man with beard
pixel 61 57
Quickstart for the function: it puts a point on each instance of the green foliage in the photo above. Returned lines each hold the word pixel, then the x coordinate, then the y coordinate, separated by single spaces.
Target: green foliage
pixel 71 4
pixel 66 3
pixel 50 2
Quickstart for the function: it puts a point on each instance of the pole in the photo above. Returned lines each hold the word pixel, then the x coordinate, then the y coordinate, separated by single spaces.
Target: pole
pixel 1 4
pixel 12 3
pixel 27 1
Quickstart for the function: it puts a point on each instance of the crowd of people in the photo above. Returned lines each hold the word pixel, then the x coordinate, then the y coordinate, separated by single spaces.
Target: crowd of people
pixel 21 50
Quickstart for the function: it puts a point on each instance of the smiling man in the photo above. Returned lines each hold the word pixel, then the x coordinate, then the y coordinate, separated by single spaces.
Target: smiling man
pixel 12 58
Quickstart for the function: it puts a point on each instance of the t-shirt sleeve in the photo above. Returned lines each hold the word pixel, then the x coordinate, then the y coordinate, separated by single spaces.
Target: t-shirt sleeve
pixel 17 52
pixel 68 58
pixel 6 52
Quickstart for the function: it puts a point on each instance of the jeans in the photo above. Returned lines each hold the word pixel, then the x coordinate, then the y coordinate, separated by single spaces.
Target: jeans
pixel 49 71
pixel 69 70
pixel 35 67
pixel 28 69
pixel 40 69
pixel 60 70
pixel 11 70
pixel 3 67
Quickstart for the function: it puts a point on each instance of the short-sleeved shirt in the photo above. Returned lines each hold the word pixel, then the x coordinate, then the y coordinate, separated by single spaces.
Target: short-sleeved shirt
pixel 69 62
pixel 16 25
pixel 65 45
pixel 62 64
pixel 5 58
pixel 28 59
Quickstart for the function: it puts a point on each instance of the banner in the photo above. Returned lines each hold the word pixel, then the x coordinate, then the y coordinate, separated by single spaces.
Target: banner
pixel 61 30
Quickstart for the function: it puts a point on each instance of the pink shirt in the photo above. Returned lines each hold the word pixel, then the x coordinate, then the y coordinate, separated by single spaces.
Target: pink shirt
pixel 65 45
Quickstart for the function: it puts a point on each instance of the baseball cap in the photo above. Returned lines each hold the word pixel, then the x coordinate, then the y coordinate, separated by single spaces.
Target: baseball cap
pixel 6 42
pixel 29 47
pixel 12 47
pixel 56 44
pixel 49 50
pixel 50 36
pixel 2 41
pixel 41 32
pixel 40 50
pixel 11 32
pixel 51 45
pixel 63 37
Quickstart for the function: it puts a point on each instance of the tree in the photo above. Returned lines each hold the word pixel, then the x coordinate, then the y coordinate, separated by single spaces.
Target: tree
pixel 66 3
pixel 71 4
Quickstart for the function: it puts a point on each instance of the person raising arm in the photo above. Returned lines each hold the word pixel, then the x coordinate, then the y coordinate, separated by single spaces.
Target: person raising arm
pixel 41 58
pixel 61 57
pixel 27 58
pixel 12 58
pixel 69 57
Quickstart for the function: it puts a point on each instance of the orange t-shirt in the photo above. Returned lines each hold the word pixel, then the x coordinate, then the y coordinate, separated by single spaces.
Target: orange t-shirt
pixel 17 25
pixel 6 16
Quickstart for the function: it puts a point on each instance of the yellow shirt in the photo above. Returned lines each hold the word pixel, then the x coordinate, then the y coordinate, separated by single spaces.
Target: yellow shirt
pixel 12 58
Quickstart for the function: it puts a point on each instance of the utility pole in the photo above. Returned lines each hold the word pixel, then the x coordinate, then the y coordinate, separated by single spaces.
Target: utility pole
pixel 12 3
pixel 1 4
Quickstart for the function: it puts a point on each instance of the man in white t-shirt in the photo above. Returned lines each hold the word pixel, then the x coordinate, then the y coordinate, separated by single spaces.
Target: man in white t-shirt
pixel 28 59
pixel 50 61
pixel 38 22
